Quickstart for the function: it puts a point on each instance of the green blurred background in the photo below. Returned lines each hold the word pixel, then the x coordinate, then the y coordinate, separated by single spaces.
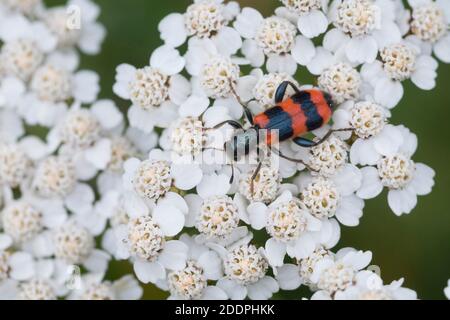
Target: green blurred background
pixel 415 246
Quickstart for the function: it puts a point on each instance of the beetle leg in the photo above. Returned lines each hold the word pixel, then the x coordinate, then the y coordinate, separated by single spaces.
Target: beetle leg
pixel 303 142
pixel 281 90
pixel 255 174
pixel 232 123
pixel 307 143
pixel 281 155
pixel 248 113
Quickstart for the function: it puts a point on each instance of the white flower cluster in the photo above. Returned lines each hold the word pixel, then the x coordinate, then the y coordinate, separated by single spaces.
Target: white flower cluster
pixel 156 194
pixel 56 143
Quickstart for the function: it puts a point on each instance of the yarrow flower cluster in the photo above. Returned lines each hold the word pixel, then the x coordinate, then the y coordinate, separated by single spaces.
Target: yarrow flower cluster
pixel 165 189
pixel 49 212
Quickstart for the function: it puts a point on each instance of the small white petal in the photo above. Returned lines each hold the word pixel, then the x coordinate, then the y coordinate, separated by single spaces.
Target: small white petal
pixel 424 79
pixel 275 252
pixel 334 39
pixel 134 205
pixel 107 113
pixel 233 290
pixel 288 277
pixel 174 255
pixel 257 213
pixel 228 41
pixel 186 176
pixel 321 61
pixel 303 51
pixel 348 180
pixel 141 119
pixel 363 152
pixel 81 199
pixel 389 141
pixel 361 50
pixel 169 218
pixel 194 106
pixel 263 289
pixel 149 272
pixel 213 185
pixel 248 22
pixel 214 293
pixel 100 154
pixel 423 180
pixel 167 60
pixel 371 184
pixel 312 24
pixel 86 86
pixel 172 29
pixel 388 93
pixel 282 64
pixel 22 266
pixel 302 248
pixel 402 201
pixel 350 211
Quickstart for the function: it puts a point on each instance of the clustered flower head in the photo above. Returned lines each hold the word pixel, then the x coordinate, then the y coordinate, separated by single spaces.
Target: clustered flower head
pixel 50 216
pixel 159 190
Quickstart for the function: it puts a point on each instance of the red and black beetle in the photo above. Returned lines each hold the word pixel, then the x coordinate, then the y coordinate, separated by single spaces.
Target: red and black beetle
pixel 290 118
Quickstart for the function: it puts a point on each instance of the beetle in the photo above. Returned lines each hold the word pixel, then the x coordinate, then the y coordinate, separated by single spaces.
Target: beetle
pixel 290 118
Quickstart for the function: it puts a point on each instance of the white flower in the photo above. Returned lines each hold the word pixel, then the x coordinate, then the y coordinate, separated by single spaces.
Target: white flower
pixel 144 239
pixel 21 221
pixel 245 269
pixel 430 22
pixel 20 58
pixel 218 217
pixel 188 136
pixel 290 226
pixel 93 287
pixel 308 15
pixel 88 37
pixel 52 86
pixel 219 76
pixel 15 265
pixel 191 283
pixel 341 81
pixel 265 186
pixel 36 289
pixel 327 158
pixel 86 136
pixel 395 170
pixel 25 44
pixel 291 276
pixel 214 214
pixel 335 196
pixel 334 274
pixel 73 244
pixel 27 7
pixel 261 87
pixel 369 286
pixel 155 90
pixel 203 19
pixel 399 61
pixel 372 132
pixel 365 26
pixel 274 37
pixel 55 176
pixel 151 179
pixel 15 165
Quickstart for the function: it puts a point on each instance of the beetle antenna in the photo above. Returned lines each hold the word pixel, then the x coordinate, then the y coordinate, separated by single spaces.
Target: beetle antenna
pixel 215 149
